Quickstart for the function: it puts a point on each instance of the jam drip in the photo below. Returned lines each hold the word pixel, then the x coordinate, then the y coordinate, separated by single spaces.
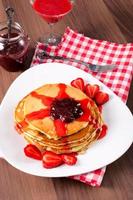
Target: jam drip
pixel 45 100
pixel 67 110
pixel 40 114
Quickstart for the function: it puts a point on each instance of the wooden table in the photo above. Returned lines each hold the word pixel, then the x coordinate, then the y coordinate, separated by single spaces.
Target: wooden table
pixel 101 19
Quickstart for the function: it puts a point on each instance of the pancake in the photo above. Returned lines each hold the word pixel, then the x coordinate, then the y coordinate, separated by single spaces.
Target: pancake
pixel 81 147
pixel 78 136
pixel 76 141
pixel 42 133
pixel 46 125
pixel 69 140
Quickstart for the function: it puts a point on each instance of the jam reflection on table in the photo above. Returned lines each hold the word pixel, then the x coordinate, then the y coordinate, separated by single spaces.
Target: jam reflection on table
pixel 13 48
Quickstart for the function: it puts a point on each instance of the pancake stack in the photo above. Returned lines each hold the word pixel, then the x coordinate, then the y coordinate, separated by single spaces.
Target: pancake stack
pixel 59 118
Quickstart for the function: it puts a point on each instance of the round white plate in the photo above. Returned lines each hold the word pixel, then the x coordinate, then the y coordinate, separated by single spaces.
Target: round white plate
pixel 116 115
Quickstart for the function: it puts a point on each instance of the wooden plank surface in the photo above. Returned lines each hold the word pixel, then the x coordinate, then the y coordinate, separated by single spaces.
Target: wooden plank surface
pixel 111 20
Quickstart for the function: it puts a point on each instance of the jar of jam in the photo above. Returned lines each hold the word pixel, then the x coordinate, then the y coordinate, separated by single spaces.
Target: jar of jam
pixel 13 47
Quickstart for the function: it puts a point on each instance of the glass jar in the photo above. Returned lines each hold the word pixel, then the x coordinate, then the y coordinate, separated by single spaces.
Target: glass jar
pixel 13 48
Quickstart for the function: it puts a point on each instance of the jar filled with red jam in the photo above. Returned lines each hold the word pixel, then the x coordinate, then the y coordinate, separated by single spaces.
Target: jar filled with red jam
pixel 13 47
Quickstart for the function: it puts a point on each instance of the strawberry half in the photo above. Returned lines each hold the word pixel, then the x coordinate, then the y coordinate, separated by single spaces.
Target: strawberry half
pixel 33 152
pixel 78 83
pixel 101 98
pixel 91 90
pixel 69 159
pixel 51 160
pixel 103 131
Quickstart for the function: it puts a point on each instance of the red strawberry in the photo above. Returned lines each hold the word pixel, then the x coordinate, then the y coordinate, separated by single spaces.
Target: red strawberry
pixel 78 83
pixel 33 152
pixel 51 160
pixel 91 90
pixel 101 98
pixel 103 131
pixel 69 159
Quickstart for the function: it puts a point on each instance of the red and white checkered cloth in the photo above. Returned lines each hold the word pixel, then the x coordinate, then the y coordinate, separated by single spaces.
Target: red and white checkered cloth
pixel 77 46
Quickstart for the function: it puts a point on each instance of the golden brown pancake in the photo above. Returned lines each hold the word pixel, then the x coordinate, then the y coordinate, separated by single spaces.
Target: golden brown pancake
pixel 76 142
pixel 42 133
pixel 81 147
pixel 46 125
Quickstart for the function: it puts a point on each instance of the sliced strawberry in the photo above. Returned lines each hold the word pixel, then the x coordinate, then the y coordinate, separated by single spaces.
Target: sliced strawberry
pixel 69 159
pixel 91 90
pixel 101 98
pixel 78 83
pixel 51 160
pixel 33 152
pixel 103 131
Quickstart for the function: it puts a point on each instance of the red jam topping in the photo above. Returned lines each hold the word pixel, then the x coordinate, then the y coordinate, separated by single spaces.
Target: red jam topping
pixel 40 114
pixel 62 92
pixel 103 131
pixel 67 110
pixel 60 127
pixel 45 100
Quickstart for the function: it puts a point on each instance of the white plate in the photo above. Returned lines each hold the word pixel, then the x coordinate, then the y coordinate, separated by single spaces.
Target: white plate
pixel 103 152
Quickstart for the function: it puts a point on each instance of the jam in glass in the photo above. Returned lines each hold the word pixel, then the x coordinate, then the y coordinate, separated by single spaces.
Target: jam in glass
pixel 13 48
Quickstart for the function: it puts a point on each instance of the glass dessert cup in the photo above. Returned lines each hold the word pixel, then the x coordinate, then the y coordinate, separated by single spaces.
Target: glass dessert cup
pixel 52 12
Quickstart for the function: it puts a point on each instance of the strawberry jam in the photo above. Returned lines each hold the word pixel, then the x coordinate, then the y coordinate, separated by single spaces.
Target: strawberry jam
pixel 13 47
pixel 66 110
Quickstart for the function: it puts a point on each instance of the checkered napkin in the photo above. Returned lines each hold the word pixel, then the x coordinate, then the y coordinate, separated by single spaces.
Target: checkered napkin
pixel 77 46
